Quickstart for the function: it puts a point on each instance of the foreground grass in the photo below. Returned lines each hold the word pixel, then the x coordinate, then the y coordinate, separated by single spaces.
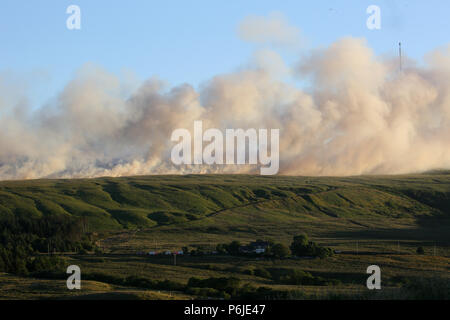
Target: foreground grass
pixel 399 272
pixel 19 288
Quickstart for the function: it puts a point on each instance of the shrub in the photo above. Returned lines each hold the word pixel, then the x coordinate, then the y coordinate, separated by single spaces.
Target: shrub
pixel 279 251
pixel 249 292
pixel 221 248
pixel 301 246
pixel 263 273
pixel 428 289
pixel 233 247
pixel 208 292
pixel 46 263
pixel 82 251
pixel 250 271
pixel 228 285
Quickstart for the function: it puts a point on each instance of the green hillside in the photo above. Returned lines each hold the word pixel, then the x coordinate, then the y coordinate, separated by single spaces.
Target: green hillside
pixel 147 201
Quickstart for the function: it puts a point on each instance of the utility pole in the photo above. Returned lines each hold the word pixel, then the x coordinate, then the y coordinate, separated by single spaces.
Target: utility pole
pixel 174 259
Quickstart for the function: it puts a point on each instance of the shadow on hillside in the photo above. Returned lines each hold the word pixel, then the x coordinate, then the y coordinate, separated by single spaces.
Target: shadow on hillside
pixel 428 229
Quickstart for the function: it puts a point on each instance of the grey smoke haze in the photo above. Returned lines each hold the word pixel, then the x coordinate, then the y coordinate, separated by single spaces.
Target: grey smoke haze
pixel 360 115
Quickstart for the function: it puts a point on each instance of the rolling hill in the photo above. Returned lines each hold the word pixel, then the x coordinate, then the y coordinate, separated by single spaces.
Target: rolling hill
pixel 151 201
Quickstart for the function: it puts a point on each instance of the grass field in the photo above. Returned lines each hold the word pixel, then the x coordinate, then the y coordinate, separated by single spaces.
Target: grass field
pixel 371 219
pixel 16 288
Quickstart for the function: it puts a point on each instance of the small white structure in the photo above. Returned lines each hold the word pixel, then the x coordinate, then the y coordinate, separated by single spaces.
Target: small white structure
pixel 152 253
pixel 167 253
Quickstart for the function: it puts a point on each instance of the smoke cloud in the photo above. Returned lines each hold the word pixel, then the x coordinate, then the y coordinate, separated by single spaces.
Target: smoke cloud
pixel 273 29
pixel 358 115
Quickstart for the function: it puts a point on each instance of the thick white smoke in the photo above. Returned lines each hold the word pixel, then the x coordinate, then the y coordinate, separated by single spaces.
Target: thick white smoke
pixel 360 115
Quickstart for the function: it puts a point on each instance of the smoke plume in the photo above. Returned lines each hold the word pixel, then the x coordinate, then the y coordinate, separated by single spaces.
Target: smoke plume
pixel 359 114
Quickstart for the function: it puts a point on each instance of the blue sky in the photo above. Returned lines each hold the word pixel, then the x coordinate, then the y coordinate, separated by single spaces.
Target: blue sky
pixel 190 41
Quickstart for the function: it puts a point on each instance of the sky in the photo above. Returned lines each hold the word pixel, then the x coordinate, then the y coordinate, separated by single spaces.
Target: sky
pixel 104 99
pixel 190 41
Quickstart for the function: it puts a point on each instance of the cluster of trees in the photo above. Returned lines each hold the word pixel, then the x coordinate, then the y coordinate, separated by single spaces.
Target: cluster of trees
pixel 278 251
pixel 274 250
pixel 197 251
pixel 290 276
pixel 23 238
pixel 231 248
pixel 259 272
pixel 302 247
pixel 16 260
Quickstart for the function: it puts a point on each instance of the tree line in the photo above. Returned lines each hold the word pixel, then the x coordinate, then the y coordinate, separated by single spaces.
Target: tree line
pixel 301 246
pixel 23 239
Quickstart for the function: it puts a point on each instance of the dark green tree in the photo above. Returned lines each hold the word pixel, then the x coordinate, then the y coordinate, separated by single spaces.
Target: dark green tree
pixel 233 247
pixel 301 246
pixel 279 251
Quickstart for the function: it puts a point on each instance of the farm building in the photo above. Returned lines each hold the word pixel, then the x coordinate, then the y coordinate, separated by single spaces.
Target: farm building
pixel 255 247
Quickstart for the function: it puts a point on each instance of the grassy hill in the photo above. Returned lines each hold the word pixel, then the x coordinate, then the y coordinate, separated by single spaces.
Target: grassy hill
pixel 167 212
pixel 147 201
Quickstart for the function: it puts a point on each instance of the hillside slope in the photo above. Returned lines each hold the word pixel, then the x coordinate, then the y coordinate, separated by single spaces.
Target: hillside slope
pixel 147 201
